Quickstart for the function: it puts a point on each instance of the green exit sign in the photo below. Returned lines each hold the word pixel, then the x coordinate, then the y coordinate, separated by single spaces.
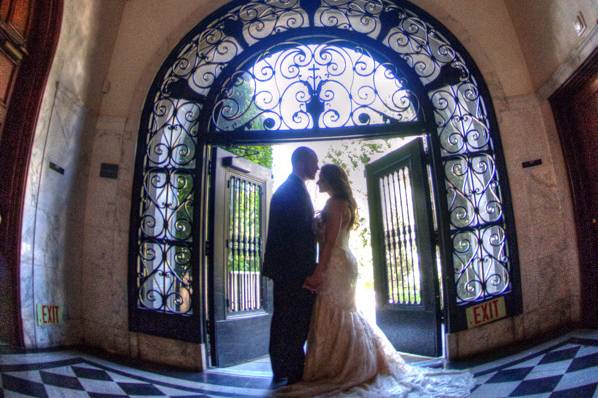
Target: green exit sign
pixel 48 314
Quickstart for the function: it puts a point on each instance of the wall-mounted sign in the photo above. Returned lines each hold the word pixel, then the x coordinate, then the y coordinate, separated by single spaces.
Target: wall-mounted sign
pixel 56 168
pixel 48 314
pixel 486 312
pixel 108 170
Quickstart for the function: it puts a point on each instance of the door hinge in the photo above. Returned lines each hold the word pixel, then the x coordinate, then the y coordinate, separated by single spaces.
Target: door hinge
pixel 207 248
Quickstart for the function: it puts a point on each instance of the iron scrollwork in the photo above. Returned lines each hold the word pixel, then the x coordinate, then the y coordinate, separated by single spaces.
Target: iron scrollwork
pixel 164 268
pixel 263 19
pixel 326 83
pixel 295 86
pixel 472 184
pixel 165 278
pixel 481 263
pixel 361 16
pixel 480 257
pixel 473 191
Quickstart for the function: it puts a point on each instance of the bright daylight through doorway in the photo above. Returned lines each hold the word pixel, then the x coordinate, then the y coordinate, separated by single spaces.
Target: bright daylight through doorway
pixel 352 155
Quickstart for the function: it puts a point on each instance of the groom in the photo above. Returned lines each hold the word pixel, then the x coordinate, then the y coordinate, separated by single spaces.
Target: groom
pixel 290 258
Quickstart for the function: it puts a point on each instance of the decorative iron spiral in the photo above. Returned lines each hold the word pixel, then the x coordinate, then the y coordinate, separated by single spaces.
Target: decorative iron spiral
pixel 347 87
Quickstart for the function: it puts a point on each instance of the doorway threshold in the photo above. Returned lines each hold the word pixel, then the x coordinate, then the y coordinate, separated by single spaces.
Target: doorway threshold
pixel 260 367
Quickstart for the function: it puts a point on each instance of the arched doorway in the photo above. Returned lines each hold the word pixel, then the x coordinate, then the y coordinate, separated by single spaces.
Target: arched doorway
pixel 207 94
pixel 28 35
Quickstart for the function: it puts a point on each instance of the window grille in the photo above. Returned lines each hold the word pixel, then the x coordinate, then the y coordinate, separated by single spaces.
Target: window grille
pixel 268 70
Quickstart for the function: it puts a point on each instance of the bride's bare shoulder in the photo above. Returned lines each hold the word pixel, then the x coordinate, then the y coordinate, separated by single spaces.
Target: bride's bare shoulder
pixel 336 206
pixel 336 203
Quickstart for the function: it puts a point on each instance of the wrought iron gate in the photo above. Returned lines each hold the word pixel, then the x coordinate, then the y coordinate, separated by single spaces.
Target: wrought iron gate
pixel 405 276
pixel 241 298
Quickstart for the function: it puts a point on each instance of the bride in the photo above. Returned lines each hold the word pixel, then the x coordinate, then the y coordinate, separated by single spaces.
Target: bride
pixel 346 355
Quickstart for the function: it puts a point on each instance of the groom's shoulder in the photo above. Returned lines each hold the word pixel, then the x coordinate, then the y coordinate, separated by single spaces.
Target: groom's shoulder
pixel 286 194
pixel 286 187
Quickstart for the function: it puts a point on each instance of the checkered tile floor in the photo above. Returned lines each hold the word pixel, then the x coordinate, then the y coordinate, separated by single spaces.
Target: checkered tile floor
pixel 77 378
pixel 564 367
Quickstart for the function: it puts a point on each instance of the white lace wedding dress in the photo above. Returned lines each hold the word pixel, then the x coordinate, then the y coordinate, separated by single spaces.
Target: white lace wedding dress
pixel 348 356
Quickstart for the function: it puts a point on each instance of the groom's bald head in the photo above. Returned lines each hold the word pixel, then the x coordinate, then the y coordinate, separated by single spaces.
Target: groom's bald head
pixel 302 154
pixel 305 163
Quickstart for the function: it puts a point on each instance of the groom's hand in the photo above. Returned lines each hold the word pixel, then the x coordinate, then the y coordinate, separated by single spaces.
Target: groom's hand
pixel 314 282
pixel 310 288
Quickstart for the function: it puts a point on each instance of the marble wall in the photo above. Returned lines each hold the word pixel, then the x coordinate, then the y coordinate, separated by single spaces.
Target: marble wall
pixel 547 33
pixel 49 263
pixel 53 220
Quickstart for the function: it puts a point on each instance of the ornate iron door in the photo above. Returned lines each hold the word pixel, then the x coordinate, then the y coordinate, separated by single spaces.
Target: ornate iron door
pixel 240 302
pixel 405 272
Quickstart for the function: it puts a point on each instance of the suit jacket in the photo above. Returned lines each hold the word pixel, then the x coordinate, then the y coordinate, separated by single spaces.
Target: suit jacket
pixel 290 254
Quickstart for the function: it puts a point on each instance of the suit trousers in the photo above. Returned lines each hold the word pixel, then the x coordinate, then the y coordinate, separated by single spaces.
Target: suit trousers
pixel 293 307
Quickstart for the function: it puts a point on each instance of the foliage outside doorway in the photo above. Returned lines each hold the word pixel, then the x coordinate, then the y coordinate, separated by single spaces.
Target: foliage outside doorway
pixel 352 155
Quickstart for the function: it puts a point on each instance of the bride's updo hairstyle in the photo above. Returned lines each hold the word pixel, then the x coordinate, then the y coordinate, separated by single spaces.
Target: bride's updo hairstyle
pixel 338 181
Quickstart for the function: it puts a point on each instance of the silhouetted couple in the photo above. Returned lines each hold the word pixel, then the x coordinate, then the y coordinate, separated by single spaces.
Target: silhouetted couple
pixel 314 300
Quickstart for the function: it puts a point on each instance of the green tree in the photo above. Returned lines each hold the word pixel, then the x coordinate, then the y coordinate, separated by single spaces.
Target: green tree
pixel 352 156
pixel 260 154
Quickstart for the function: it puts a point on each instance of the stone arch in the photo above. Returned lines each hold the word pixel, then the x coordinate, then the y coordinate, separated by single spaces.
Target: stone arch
pixel 457 95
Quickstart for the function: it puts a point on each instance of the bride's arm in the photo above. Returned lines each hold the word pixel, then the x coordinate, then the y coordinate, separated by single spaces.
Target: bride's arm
pixel 334 218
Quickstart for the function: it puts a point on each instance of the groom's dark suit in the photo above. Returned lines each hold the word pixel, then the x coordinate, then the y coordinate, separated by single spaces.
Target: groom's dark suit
pixel 290 258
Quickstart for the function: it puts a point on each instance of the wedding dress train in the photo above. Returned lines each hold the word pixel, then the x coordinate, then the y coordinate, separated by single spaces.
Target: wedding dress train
pixel 348 356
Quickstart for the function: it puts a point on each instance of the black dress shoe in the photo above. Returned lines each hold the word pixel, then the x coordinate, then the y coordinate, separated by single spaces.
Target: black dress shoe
pixel 278 382
pixel 293 380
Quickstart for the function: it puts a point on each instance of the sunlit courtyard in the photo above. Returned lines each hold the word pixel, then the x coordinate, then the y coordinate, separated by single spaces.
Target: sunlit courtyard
pixel 353 156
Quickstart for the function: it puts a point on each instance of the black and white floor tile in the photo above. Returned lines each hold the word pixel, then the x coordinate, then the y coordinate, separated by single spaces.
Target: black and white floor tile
pixel 564 367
